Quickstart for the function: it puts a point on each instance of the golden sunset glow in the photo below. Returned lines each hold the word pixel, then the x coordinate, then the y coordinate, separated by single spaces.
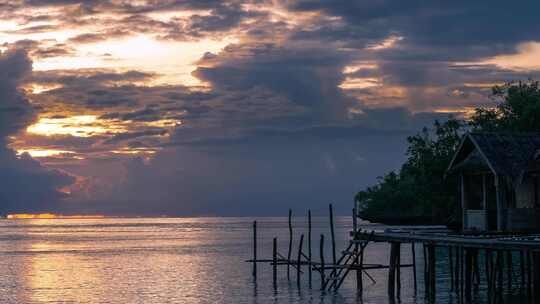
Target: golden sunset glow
pixel 51 216
pixel 526 58
pixel 78 126
pixel 36 153
pixel 359 83
pixel 387 43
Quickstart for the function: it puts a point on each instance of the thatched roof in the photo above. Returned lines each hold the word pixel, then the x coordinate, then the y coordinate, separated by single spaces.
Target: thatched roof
pixel 506 154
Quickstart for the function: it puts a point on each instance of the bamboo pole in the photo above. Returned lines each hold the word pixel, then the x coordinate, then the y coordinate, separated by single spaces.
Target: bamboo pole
pixel 321 250
pixel 290 246
pixel 309 249
pixel 332 234
pixel 255 250
pixel 299 261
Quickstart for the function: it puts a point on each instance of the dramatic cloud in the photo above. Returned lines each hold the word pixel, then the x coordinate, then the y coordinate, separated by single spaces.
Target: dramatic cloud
pixel 27 186
pixel 239 107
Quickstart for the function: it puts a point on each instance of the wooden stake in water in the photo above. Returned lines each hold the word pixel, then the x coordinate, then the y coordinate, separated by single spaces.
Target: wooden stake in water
pixel 309 246
pixel 359 286
pixel 334 260
pixel 274 262
pixel 255 250
pixel 290 246
pixel 299 261
pixel 413 252
pixel 321 251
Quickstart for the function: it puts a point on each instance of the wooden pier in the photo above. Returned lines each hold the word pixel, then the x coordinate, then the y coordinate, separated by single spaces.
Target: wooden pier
pixel 502 263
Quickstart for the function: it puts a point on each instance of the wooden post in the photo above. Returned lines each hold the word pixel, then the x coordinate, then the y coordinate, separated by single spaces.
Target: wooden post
pixel 398 269
pixel 451 265
pixel 432 270
pixel 476 269
pixel 536 276
pixel 522 268
pixel 392 271
pixel 456 271
pixel 309 247
pixel 321 251
pixel 274 262
pixel 334 260
pixel 487 262
pixel 290 246
pixel 529 274
pixel 359 283
pixel 468 274
pixel 462 273
pixel 255 250
pixel 463 202
pixel 355 221
pixel 500 264
pixel 299 261
pixel 509 270
pixel 413 252
pixel 426 269
pixel 357 261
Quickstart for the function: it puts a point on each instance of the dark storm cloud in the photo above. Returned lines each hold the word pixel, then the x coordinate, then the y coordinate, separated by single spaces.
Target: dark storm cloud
pixel 275 128
pixel 262 172
pixel 15 110
pixel 19 174
pixel 132 135
pixel 439 23
pixel 306 76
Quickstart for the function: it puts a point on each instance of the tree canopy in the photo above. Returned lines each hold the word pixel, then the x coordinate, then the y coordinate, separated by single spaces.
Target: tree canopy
pixel 419 192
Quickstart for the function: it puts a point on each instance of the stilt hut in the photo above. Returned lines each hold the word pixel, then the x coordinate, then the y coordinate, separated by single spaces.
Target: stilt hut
pixel 499 181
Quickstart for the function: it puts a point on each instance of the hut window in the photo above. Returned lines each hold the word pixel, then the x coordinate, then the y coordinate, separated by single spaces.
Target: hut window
pixel 474 191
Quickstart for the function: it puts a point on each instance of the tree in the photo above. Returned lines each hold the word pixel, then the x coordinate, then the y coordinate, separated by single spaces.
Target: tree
pixel 419 191
pixel 517 109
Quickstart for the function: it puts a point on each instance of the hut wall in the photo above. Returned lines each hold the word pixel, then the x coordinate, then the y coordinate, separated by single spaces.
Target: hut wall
pixel 523 219
pixel 525 194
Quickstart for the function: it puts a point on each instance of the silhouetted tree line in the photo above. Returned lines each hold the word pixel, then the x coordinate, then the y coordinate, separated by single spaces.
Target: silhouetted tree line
pixel 419 193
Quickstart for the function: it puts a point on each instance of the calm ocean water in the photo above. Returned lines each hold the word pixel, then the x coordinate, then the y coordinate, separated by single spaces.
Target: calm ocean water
pixel 192 260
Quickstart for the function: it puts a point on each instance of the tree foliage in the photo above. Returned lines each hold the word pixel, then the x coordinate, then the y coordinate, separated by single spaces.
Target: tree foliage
pixel 420 190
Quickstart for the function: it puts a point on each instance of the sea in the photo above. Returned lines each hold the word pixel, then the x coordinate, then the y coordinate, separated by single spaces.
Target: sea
pixel 189 260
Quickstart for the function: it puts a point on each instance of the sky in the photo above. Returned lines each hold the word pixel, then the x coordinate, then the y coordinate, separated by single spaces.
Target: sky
pixel 226 108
